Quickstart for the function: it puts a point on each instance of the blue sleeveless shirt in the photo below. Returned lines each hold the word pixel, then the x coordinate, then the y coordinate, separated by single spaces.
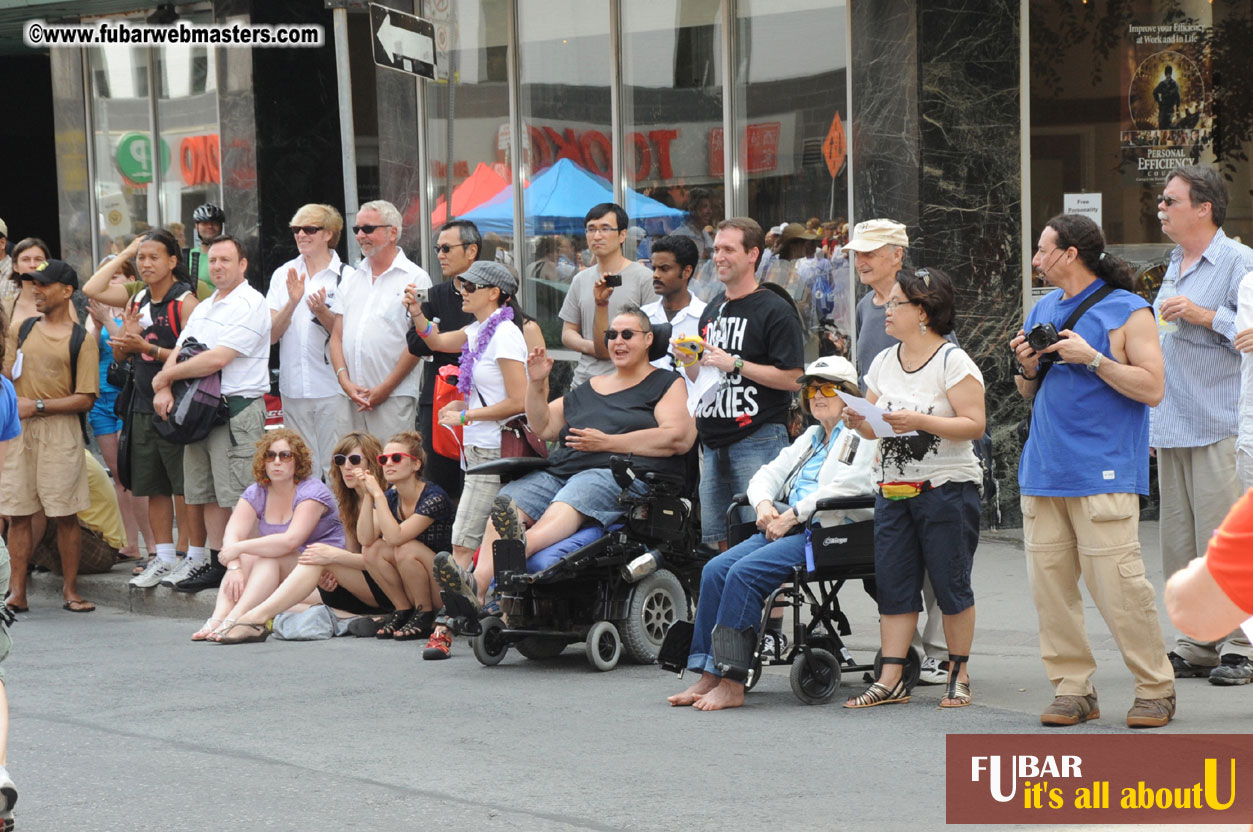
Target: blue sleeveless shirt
pixel 1086 437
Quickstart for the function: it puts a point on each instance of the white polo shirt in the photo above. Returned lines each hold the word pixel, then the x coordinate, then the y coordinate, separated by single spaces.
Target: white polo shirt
pixel 241 321
pixel 304 355
pixel 375 322
pixel 685 322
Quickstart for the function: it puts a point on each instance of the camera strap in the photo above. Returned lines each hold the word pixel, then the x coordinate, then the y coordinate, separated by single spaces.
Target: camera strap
pixel 1091 300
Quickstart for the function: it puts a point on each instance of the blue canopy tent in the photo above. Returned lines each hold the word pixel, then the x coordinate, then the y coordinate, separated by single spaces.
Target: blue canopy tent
pixel 557 200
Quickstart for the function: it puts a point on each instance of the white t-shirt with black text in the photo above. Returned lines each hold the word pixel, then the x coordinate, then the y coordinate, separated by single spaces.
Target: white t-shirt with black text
pixel 488 385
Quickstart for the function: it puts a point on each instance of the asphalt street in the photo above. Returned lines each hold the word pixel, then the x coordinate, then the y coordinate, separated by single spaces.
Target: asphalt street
pixel 119 722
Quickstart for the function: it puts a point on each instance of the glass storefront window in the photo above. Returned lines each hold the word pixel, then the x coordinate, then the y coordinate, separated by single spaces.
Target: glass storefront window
pixel 791 110
pixel 187 120
pixel 564 98
pixel 122 142
pixel 672 101
pixel 1127 92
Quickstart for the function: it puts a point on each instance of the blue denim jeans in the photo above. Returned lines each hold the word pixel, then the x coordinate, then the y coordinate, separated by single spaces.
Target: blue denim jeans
pixel 727 472
pixel 734 586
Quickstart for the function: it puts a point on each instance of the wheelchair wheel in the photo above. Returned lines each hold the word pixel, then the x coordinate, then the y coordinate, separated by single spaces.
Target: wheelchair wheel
pixel 540 647
pixel 490 645
pixel 911 672
pixel 604 646
pixel 815 676
pixel 655 603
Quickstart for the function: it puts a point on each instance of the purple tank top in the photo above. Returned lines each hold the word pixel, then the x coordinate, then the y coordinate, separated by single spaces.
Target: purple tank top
pixel 329 529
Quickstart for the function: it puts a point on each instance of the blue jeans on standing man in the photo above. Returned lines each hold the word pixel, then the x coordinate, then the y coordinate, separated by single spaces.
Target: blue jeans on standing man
pixel 727 472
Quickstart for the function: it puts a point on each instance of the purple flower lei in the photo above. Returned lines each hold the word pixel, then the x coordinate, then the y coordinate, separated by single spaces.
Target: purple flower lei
pixel 471 357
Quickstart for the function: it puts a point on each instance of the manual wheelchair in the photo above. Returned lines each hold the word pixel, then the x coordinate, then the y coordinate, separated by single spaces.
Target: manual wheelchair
pixel 817 654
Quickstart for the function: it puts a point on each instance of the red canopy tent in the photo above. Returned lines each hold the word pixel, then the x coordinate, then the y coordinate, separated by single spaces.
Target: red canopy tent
pixel 481 186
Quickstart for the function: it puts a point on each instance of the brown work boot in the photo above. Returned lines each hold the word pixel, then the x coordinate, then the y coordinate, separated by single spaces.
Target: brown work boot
pixel 1071 710
pixel 1151 713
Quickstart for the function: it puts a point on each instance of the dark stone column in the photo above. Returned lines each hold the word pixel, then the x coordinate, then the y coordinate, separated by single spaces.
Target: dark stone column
pixel 936 138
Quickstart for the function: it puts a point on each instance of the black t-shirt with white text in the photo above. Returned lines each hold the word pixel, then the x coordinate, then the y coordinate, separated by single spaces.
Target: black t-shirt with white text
pixel 761 328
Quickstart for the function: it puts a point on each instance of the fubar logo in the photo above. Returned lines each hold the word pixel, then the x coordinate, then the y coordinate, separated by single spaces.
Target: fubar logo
pixel 1018 768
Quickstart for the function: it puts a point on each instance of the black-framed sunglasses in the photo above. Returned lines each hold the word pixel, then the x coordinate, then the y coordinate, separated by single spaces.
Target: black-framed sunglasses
pixel 1168 200
pixel 270 456
pixel 627 334
pixel 444 248
pixel 467 287
pixel 309 230
pixel 368 229
pixel 354 459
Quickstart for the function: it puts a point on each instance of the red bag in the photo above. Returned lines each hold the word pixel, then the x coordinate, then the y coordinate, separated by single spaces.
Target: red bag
pixel 446 441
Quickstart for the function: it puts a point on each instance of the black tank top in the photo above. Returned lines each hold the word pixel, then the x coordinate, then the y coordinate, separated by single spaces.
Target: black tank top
pixel 163 331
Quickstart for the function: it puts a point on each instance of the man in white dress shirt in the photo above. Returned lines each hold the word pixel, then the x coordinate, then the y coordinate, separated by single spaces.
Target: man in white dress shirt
pixel 302 299
pixel 674 259
pixel 369 353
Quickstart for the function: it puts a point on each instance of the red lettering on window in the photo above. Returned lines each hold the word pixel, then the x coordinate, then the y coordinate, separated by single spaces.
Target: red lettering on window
pixel 662 139
pixel 643 158
pixel 590 142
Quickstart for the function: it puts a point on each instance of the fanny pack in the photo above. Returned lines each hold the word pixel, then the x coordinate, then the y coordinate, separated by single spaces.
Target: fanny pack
pixel 903 490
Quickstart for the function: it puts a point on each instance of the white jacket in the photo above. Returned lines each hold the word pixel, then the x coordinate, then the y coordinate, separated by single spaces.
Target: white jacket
pixel 836 479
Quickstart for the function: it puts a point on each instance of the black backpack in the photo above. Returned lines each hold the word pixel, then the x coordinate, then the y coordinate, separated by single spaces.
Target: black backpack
pixel 77 336
pixel 199 405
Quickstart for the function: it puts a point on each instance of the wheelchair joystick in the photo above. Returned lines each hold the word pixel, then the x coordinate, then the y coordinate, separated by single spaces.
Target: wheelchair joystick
pixel 623 474
pixel 642 566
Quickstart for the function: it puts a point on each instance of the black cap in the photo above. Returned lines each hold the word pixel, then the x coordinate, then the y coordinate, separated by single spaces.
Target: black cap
pixel 53 271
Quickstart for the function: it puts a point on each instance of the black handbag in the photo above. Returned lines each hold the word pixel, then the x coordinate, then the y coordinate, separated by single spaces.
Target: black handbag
pixel 122 376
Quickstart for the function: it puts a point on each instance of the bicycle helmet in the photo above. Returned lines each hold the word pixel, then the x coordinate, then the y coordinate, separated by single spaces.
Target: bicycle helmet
pixel 209 213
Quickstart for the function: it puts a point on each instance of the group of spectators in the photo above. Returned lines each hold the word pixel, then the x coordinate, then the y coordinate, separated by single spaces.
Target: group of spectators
pixel 370 519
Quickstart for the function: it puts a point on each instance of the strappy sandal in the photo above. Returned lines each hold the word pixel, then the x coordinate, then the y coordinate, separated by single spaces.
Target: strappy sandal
pixel 398 620
pixel 207 630
pixel 878 694
pixel 260 632
pixel 226 624
pixel 957 691
pixel 417 627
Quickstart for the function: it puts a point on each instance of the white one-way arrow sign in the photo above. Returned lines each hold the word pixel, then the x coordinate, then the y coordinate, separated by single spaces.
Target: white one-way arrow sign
pixel 403 37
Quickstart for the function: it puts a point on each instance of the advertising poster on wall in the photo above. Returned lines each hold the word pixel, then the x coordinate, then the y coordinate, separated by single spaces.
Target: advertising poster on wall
pixel 1167 90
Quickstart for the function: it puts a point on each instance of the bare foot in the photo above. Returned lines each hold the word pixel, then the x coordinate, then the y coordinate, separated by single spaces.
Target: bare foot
pixel 705 684
pixel 728 694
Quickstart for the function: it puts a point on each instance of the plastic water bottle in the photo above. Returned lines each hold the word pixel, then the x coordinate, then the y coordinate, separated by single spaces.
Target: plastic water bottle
pixel 1164 326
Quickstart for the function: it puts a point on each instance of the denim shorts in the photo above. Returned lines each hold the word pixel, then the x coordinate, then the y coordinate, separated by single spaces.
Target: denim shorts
pixel 935 532
pixel 591 493
pixel 102 418
pixel 727 472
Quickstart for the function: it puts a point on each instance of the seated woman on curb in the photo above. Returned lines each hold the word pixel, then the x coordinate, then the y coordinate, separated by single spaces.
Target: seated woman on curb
pixel 338 573
pixel 288 509
pixel 637 409
pixel 827 460
pixel 401 530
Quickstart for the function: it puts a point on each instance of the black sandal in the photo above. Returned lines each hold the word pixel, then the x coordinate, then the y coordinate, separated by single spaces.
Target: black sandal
pixel 420 626
pixel 958 691
pixel 878 694
pixel 398 619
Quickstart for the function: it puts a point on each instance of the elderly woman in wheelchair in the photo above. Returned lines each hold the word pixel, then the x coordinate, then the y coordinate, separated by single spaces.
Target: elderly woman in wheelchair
pixel 827 460
pixel 637 409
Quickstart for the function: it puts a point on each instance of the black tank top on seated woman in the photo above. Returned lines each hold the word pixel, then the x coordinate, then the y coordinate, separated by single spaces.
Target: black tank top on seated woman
pixel 614 413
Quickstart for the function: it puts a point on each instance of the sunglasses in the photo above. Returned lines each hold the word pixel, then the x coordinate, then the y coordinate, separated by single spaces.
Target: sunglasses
pixel 828 391
pixel 467 287
pixel 270 456
pixel 925 275
pixel 627 334
pixel 367 229
pixel 1168 200
pixel 309 230
pixel 355 459
pixel 447 247
pixel 395 458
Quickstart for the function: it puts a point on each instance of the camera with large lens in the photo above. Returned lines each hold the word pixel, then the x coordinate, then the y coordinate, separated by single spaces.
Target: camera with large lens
pixel 1041 337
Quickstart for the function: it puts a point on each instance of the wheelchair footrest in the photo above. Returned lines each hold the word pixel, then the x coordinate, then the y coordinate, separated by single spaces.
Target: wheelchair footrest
pixel 733 651
pixel 676 646
pixel 508 559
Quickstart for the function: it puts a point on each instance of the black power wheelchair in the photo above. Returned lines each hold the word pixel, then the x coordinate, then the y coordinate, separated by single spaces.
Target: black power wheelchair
pixel 618 589
pixel 817 653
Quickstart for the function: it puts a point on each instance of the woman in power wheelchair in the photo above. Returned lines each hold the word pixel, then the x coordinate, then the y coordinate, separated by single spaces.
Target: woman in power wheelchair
pixel 638 410
pixel 827 460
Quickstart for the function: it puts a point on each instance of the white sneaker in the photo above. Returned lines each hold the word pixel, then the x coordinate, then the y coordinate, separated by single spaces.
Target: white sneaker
pixel 8 794
pixel 933 673
pixel 157 571
pixel 184 568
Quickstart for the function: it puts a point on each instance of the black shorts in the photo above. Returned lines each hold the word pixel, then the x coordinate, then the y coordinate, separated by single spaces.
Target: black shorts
pixel 341 599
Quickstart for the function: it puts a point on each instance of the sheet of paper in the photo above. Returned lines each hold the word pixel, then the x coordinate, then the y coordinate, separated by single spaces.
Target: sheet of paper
pixel 703 389
pixel 873 414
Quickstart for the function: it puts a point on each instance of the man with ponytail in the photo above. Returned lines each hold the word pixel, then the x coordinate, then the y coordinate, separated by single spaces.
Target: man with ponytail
pixel 1083 466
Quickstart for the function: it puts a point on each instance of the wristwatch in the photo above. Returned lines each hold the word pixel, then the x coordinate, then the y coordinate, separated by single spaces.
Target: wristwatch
pixel 739 363
pixel 1095 363
pixel 39 405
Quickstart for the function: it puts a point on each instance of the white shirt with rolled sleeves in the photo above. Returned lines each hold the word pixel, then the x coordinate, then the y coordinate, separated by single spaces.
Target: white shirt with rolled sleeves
pixel 305 370
pixel 835 479
pixel 1244 439
pixel 375 322
pixel 240 321
pixel 685 322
